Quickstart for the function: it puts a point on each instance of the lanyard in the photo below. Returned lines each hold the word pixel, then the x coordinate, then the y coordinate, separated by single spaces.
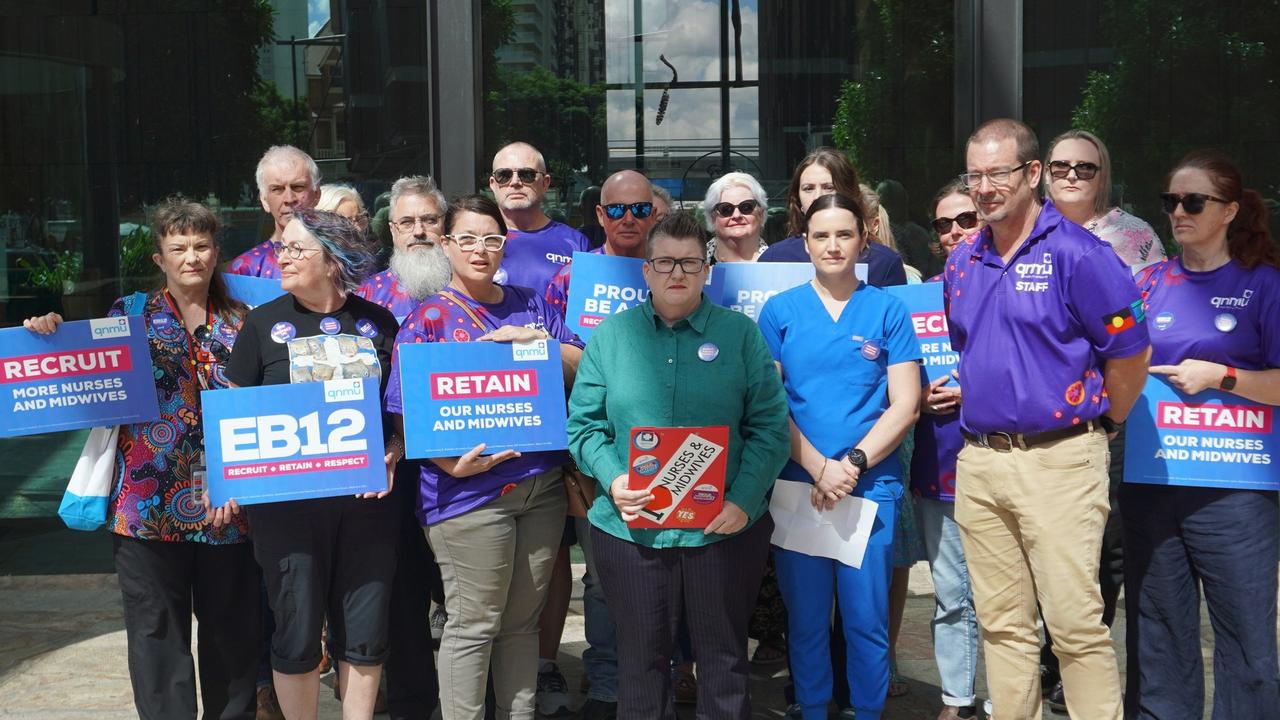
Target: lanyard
pixel 196 363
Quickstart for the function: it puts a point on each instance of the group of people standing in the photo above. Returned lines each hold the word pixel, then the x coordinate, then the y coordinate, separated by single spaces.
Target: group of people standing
pixel 1010 483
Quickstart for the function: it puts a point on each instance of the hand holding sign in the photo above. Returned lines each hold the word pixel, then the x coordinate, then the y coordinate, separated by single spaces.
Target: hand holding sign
pixel 940 400
pixel 515 334
pixel 43 324
pixel 629 502
pixel 472 462
pixel 1192 376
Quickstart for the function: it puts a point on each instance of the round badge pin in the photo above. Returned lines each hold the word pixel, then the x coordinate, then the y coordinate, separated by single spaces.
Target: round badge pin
pixel 330 326
pixel 1163 320
pixel 500 277
pixel 645 465
pixel 366 328
pixel 162 320
pixel 870 350
pixel 705 494
pixel 1225 322
pixel 646 440
pixel 283 332
pixel 708 352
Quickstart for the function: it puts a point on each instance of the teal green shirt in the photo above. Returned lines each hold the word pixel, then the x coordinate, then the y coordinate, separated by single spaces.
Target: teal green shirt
pixel 638 371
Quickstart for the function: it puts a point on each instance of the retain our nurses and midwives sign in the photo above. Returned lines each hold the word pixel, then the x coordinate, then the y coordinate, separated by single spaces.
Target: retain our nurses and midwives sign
pixel 1211 439
pixel 89 373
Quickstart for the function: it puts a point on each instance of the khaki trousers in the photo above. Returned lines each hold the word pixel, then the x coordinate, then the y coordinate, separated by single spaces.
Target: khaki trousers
pixel 496 564
pixel 1031 524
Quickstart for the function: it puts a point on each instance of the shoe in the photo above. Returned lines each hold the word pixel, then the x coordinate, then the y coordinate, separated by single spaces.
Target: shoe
pixel 986 707
pixel 846 714
pixel 1056 699
pixel 684 686
pixel 594 709
pixel 770 651
pixel 268 704
pixel 897 684
pixel 793 712
pixel 438 618
pixel 553 692
pixel 952 712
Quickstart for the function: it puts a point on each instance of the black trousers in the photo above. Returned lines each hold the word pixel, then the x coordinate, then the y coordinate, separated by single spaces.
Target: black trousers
pixel 162 583
pixel 715 587
pixel 413 691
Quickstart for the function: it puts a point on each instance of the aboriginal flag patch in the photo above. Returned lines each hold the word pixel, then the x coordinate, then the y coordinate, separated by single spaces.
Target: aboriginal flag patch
pixel 1125 318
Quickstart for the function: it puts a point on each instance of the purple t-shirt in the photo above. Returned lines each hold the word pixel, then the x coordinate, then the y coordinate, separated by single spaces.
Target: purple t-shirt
pixel 1033 335
pixel 557 294
pixel 385 289
pixel 1230 315
pixel 257 261
pixel 531 259
pixel 437 319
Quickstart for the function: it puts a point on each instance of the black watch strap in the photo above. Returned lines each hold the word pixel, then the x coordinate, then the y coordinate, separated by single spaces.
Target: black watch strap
pixel 858 459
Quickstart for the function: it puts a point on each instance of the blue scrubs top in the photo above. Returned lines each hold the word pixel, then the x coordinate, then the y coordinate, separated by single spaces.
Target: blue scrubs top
pixel 836 372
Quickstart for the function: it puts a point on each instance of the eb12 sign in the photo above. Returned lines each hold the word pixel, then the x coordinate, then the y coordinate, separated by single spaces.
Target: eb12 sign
pixel 291 442
pixel 458 395
pixel 89 373
pixel 1210 439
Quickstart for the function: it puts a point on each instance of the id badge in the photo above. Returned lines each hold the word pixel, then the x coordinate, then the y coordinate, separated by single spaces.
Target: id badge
pixel 199 474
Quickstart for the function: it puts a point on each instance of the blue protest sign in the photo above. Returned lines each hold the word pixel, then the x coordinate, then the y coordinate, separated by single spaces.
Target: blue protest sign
pixel 458 395
pixel 252 291
pixel 89 373
pixel 1210 439
pixel 600 286
pixel 929 320
pixel 745 286
pixel 291 442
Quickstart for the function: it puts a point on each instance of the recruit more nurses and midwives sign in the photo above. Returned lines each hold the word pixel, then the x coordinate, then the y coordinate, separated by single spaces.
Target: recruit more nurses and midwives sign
pixel 290 442
pixel 1211 439
pixel 929 320
pixel 88 373
pixel 458 395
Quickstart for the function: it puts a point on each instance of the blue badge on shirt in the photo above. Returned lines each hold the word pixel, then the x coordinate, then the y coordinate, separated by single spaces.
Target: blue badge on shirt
pixel 1163 320
pixel 1225 322
pixel 162 320
pixel 330 326
pixel 870 349
pixel 283 332
pixel 708 352
pixel 366 328
pixel 500 277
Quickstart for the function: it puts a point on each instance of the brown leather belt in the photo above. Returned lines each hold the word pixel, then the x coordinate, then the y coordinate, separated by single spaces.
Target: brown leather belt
pixel 1005 442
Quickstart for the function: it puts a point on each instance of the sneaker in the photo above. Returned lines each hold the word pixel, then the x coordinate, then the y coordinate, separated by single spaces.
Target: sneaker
pixel 1056 699
pixel 986 707
pixel 846 714
pixel 952 712
pixel 594 709
pixel 684 686
pixel 793 712
pixel 438 618
pixel 553 692
pixel 268 704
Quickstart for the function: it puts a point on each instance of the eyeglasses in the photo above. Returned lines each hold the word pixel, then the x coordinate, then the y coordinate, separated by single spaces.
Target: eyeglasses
pixel 294 251
pixel 211 348
pixel 966 221
pixel 1193 203
pixel 408 224
pixel 725 209
pixel 467 242
pixel 998 178
pixel 639 210
pixel 1084 170
pixel 527 175
pixel 667 265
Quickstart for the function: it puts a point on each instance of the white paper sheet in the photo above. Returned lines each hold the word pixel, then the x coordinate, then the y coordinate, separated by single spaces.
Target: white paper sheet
pixel 840 533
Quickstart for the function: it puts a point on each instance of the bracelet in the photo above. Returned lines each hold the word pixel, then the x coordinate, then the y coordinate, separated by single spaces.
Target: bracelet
pixel 823 471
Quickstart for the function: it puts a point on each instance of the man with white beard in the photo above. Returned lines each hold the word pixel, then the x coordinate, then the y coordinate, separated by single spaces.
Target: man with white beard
pixel 418 268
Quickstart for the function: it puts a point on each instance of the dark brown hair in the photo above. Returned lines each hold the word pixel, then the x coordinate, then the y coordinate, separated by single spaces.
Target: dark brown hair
pixel 844 176
pixel 179 216
pixel 478 204
pixel 1028 145
pixel 679 225
pixel 1248 236
pixel 843 202
pixel 955 187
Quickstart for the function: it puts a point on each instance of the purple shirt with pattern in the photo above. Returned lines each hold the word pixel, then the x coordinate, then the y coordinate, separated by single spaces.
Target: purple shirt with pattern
pixel 257 261
pixel 532 259
pixel 438 319
pixel 557 294
pixel 1033 334
pixel 386 290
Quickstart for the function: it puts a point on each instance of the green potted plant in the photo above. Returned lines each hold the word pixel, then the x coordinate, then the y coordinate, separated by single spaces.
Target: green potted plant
pixel 58 277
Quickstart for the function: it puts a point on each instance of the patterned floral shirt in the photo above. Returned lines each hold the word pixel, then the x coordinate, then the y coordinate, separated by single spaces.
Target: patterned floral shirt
pixel 153 498
pixel 1131 237
pixel 258 261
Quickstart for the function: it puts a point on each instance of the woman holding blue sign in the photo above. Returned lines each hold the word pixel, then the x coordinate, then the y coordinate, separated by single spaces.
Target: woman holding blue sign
pixel 1214 317
pixel 839 333
pixel 331 556
pixel 170 559
pixel 494 521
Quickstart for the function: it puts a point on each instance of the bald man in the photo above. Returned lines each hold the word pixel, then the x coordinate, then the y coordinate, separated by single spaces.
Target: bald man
pixel 537 246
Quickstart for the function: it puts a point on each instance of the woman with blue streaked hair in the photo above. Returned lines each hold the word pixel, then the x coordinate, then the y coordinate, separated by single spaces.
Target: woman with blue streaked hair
pixel 328 556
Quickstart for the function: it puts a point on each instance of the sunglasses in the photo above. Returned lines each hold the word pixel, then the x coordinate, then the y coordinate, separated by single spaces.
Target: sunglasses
pixel 725 209
pixel 211 348
pixel 639 210
pixel 527 175
pixel 966 221
pixel 1059 169
pixel 1193 203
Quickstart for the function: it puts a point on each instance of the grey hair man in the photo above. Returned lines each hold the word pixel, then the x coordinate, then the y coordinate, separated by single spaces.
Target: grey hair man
pixel 287 178
pixel 419 267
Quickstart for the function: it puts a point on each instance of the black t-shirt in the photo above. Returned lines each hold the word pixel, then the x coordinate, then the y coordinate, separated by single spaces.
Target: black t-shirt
pixel 284 342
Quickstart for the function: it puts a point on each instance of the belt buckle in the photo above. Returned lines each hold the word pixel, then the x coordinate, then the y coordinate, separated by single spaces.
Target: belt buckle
pixel 1008 437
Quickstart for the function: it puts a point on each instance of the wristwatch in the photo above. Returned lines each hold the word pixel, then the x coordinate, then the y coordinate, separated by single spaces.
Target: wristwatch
pixel 858 459
pixel 1229 380
pixel 1109 425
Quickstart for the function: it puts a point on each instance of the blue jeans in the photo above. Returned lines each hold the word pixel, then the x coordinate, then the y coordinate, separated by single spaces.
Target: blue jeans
pixel 600 659
pixel 955 622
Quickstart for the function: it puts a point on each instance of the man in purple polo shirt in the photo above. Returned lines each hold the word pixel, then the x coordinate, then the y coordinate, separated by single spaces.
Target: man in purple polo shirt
pixel 287 178
pixel 537 246
pixel 1053 353
pixel 419 267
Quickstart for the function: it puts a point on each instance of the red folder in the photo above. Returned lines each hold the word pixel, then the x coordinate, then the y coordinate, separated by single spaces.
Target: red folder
pixel 683 468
